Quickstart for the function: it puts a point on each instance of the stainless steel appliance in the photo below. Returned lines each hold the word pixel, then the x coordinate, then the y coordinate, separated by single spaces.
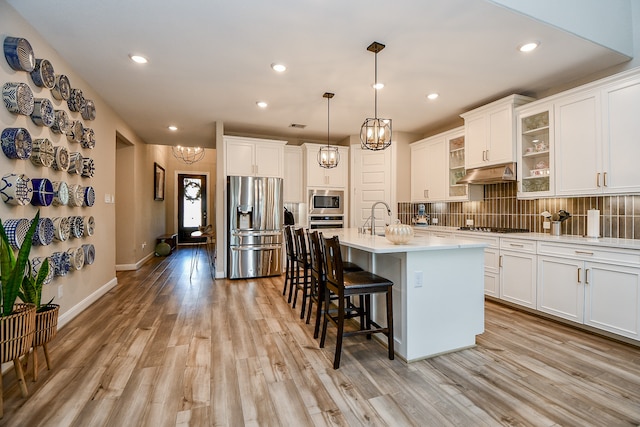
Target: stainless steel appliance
pixel 255 215
pixel 494 229
pixel 326 202
pixel 326 221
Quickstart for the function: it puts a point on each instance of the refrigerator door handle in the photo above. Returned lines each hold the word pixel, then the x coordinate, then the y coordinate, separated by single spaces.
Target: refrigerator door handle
pixel 255 248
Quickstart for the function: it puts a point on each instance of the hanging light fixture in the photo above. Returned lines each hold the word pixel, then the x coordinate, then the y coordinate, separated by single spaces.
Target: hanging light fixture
pixel 375 133
pixel 328 157
pixel 188 155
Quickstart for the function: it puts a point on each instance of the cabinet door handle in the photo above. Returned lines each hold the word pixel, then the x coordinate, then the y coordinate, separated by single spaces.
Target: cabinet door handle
pixel 500 261
pixel 579 279
pixel 598 179
pixel 484 155
pixel 487 155
pixel 426 194
pixel 586 276
pixel 583 253
pixel 604 179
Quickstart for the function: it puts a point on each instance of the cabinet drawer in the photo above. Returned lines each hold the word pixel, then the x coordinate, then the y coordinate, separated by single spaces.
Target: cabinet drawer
pixel 518 245
pixel 493 242
pixel 591 253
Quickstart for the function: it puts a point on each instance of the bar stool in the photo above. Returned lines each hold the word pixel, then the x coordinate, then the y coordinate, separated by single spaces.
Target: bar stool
pixel 291 265
pixel 360 283
pixel 318 278
pixel 303 270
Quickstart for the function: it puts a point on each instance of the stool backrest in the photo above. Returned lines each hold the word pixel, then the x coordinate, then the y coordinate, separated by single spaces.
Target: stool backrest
pixel 301 244
pixel 333 258
pixel 315 250
pixel 288 235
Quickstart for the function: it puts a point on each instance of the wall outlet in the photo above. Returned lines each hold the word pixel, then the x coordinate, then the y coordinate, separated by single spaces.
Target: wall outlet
pixel 470 223
pixel 107 198
pixel 60 292
pixel 546 225
pixel 144 245
pixel 434 221
pixel 418 279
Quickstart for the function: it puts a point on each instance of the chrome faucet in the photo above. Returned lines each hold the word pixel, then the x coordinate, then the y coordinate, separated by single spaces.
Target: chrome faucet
pixel 373 216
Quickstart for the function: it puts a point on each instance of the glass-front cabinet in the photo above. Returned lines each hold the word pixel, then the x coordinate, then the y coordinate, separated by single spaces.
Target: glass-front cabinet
pixel 535 152
pixel 455 143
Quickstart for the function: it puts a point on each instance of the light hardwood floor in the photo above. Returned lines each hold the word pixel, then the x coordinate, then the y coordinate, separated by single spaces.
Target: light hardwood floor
pixel 161 350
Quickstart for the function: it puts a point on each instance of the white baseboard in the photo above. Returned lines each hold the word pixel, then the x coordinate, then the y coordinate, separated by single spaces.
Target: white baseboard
pixel 137 265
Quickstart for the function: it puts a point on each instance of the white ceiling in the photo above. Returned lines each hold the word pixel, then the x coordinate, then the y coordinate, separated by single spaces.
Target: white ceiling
pixel 209 61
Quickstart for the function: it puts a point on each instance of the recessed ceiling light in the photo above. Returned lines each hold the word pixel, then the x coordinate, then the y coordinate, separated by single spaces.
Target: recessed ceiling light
pixel 377 86
pixel 173 128
pixel 528 47
pixel 433 96
pixel 280 68
pixel 261 104
pixel 138 59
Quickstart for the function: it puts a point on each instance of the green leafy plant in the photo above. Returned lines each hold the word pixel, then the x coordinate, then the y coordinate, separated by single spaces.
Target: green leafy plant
pixel 31 289
pixel 12 268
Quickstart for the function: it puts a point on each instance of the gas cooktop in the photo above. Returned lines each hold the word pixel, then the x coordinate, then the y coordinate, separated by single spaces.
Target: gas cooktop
pixel 494 229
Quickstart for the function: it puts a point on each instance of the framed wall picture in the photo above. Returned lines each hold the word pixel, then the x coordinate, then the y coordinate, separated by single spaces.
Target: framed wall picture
pixel 158 182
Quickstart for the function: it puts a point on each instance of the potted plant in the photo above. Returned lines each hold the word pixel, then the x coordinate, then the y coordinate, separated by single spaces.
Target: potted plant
pixel 17 321
pixel 46 322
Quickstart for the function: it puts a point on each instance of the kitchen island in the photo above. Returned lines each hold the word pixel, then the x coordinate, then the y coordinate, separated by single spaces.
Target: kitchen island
pixel 438 292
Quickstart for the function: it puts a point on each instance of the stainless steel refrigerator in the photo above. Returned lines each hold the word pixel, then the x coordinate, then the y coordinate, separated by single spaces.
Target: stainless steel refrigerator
pixel 255 218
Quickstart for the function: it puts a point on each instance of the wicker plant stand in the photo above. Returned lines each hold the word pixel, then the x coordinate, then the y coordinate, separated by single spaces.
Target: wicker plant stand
pixel 45 330
pixel 16 337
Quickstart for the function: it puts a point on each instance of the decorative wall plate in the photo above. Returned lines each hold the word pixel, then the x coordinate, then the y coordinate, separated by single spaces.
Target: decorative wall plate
pixel 44 232
pixel 36 264
pixel 18 98
pixel 89 196
pixel 89 225
pixel 88 112
pixel 60 158
pixel 60 193
pixel 16 189
pixel 16 230
pixel 62 88
pixel 76 256
pixel 76 195
pixel 43 75
pixel 16 143
pixel 76 100
pixel 88 167
pixel 89 253
pixel 19 54
pixel 74 133
pixel 43 113
pixel 77 226
pixel 42 192
pixel 75 163
pixel 88 138
pixel 61 228
pixel 61 263
pixel 42 152
pixel 61 122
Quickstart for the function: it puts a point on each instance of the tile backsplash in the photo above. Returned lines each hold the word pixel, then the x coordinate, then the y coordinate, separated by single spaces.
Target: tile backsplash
pixel 619 215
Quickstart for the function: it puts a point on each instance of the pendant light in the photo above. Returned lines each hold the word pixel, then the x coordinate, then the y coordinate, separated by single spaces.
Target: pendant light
pixel 328 157
pixel 375 133
pixel 189 155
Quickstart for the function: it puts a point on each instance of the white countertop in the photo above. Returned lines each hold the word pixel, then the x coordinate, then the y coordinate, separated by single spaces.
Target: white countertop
pixel 602 241
pixel 379 244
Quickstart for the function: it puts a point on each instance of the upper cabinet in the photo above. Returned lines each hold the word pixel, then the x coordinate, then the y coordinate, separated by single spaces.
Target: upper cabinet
pixel 429 169
pixel 490 132
pixel 318 176
pixel 254 157
pixel 293 189
pixel 535 151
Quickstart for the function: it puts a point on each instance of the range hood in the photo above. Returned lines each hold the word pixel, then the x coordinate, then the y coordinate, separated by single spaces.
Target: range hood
pixel 490 174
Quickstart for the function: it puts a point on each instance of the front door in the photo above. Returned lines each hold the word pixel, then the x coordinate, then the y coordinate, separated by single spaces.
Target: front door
pixel 192 206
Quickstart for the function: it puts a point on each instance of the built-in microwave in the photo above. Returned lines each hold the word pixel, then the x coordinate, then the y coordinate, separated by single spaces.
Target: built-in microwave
pixel 326 202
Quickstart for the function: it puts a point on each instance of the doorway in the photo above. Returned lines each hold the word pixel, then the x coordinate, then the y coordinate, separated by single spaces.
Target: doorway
pixel 192 206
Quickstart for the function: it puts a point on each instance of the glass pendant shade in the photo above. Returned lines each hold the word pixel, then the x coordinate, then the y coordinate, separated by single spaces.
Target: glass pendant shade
pixel 375 134
pixel 188 155
pixel 328 157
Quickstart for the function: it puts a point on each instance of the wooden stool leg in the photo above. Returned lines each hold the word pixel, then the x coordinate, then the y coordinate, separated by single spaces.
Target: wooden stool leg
pixel 46 356
pixel 1 398
pixel 390 323
pixel 35 364
pixel 325 318
pixel 20 374
pixel 336 360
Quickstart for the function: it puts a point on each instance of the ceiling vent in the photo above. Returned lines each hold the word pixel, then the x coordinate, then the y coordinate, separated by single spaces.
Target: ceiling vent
pixel 297 126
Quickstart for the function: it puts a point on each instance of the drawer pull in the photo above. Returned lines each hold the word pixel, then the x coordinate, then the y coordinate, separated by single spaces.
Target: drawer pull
pixel 579 280
pixel 584 253
pixel 516 245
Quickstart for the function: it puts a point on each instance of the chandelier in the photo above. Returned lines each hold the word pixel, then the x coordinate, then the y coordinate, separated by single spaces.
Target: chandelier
pixel 188 155
pixel 328 157
pixel 375 133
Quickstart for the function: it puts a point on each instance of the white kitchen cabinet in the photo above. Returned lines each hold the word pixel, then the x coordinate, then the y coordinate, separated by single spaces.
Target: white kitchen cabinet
pixel 429 170
pixel 319 177
pixel 599 287
pixel 490 132
pixel 491 261
pixel 518 266
pixel 535 145
pixel 455 143
pixel 293 186
pixel 254 157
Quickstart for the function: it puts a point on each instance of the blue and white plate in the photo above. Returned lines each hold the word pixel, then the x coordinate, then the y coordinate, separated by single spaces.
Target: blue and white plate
pixel 74 133
pixel 42 192
pixel 76 100
pixel 19 54
pixel 89 110
pixel 61 263
pixel 76 256
pixel 61 122
pixel 75 163
pixel 42 152
pixel 60 158
pixel 61 228
pixel 62 88
pixel 76 223
pixel 44 232
pixel 16 189
pixel 89 225
pixel 43 75
pixel 60 193
pixel 88 138
pixel 43 113
pixel 16 230
pixel 36 265
pixel 89 196
pixel 18 98
pixel 16 143
pixel 76 195
pixel 89 253
pixel 88 167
